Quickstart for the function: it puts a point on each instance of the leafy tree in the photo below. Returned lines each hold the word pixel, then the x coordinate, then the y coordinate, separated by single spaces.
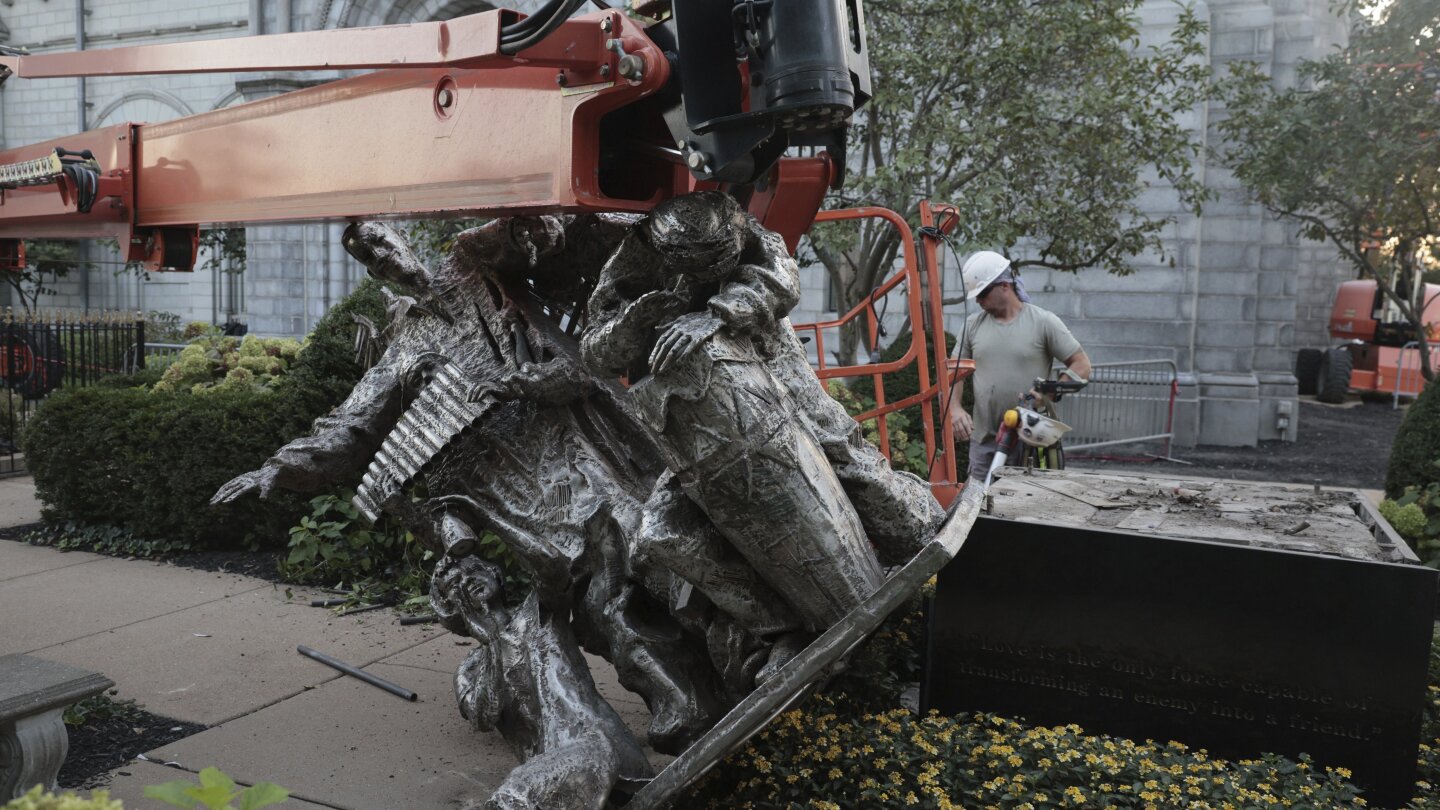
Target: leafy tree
pixel 226 248
pixel 1352 154
pixel 1043 121
pixel 46 261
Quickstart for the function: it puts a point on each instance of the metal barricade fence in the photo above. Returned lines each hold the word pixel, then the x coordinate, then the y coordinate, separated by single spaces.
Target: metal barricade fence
pixel 1409 380
pixel 1125 403
pixel 156 356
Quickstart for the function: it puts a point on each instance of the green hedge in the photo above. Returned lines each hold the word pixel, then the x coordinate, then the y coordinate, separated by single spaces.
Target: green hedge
pixel 148 462
pixel 1417 445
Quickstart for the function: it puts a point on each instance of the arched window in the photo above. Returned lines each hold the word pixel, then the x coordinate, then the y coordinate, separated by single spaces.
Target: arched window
pixel 147 106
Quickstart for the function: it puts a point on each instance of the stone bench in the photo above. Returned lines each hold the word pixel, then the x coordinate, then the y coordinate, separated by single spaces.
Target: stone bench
pixel 33 741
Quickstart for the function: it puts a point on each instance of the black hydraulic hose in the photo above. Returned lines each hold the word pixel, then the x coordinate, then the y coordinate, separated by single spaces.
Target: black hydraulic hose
pixel 550 25
pixel 518 30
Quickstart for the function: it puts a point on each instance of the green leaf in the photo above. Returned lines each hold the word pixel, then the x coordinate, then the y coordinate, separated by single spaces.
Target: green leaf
pixel 262 794
pixel 213 777
pixel 173 793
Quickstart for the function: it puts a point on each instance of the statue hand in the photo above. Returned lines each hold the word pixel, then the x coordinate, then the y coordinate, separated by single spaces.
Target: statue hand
pixel 552 382
pixel 261 481
pixel 652 308
pixel 682 337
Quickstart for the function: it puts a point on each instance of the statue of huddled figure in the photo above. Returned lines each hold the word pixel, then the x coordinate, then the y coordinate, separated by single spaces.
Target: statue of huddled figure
pixel 696 529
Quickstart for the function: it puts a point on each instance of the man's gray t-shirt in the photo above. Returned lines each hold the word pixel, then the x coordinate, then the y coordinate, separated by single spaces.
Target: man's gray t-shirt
pixel 1009 357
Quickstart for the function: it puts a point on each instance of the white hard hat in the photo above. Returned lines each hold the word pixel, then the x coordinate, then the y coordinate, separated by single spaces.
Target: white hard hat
pixel 1038 430
pixel 981 270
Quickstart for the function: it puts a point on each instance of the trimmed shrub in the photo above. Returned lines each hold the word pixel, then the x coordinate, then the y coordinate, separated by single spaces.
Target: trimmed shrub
pixel 148 461
pixel 1417 445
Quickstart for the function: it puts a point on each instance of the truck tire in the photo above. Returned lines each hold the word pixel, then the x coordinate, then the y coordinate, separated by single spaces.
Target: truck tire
pixel 1307 370
pixel 1333 382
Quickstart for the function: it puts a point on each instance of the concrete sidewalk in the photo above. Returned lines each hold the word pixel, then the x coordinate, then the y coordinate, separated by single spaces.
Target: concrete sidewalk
pixel 219 649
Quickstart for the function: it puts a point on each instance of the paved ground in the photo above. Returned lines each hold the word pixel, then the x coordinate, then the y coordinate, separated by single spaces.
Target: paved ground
pixel 219 649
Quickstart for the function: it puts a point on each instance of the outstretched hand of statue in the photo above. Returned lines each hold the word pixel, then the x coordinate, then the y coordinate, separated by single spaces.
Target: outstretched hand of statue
pixel 683 336
pixel 261 481
pixel 555 382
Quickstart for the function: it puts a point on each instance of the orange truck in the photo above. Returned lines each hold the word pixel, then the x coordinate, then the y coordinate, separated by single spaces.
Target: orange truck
pixel 1379 353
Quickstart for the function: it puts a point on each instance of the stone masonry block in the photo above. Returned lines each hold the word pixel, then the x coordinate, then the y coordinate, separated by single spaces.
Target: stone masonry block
pixel 1279 258
pixel 1131 333
pixel 1220 308
pixel 1225 335
pixel 1275 359
pixel 1227 282
pixel 1275 309
pixel 1266 334
pixel 1271 282
pixel 1209 359
pixel 1149 280
pixel 1135 306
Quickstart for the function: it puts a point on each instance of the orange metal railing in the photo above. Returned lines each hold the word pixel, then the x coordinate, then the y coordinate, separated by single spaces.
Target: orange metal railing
pixel 920 281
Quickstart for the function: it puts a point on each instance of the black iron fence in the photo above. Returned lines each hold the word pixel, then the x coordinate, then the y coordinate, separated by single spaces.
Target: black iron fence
pixel 40 352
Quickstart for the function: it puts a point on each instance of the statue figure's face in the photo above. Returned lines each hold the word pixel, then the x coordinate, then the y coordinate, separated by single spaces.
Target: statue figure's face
pixel 386 255
pixel 699 235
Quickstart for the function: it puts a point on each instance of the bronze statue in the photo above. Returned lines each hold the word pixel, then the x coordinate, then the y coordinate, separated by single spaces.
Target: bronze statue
pixel 696 529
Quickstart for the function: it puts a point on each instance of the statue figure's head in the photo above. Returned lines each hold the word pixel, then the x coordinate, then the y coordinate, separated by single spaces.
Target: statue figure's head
pixel 386 255
pixel 464 592
pixel 699 235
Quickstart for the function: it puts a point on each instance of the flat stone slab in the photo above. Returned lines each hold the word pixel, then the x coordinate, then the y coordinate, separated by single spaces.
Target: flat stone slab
pixel 226 658
pixel 77 601
pixel 22 560
pixel 347 744
pixel 1338 523
pixel 18 505
pixel 128 784
pixel 30 685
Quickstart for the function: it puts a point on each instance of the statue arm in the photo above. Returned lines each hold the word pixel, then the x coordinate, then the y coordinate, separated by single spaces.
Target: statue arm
pixel 340 443
pixel 620 328
pixel 766 285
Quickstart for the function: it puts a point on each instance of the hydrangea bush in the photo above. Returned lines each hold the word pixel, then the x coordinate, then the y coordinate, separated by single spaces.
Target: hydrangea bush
pixel 213 362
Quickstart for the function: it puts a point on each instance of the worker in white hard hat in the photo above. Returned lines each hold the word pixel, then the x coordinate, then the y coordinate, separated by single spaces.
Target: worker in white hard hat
pixel 1013 342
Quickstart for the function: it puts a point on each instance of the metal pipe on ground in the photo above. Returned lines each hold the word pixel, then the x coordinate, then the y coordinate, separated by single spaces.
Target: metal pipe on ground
pixel 356 672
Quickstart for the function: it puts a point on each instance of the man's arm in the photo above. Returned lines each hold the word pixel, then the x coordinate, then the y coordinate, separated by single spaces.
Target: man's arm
pixel 960 421
pixel 1078 366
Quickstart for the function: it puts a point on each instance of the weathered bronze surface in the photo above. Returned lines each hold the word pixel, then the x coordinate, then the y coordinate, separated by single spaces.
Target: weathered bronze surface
pixel 697 528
